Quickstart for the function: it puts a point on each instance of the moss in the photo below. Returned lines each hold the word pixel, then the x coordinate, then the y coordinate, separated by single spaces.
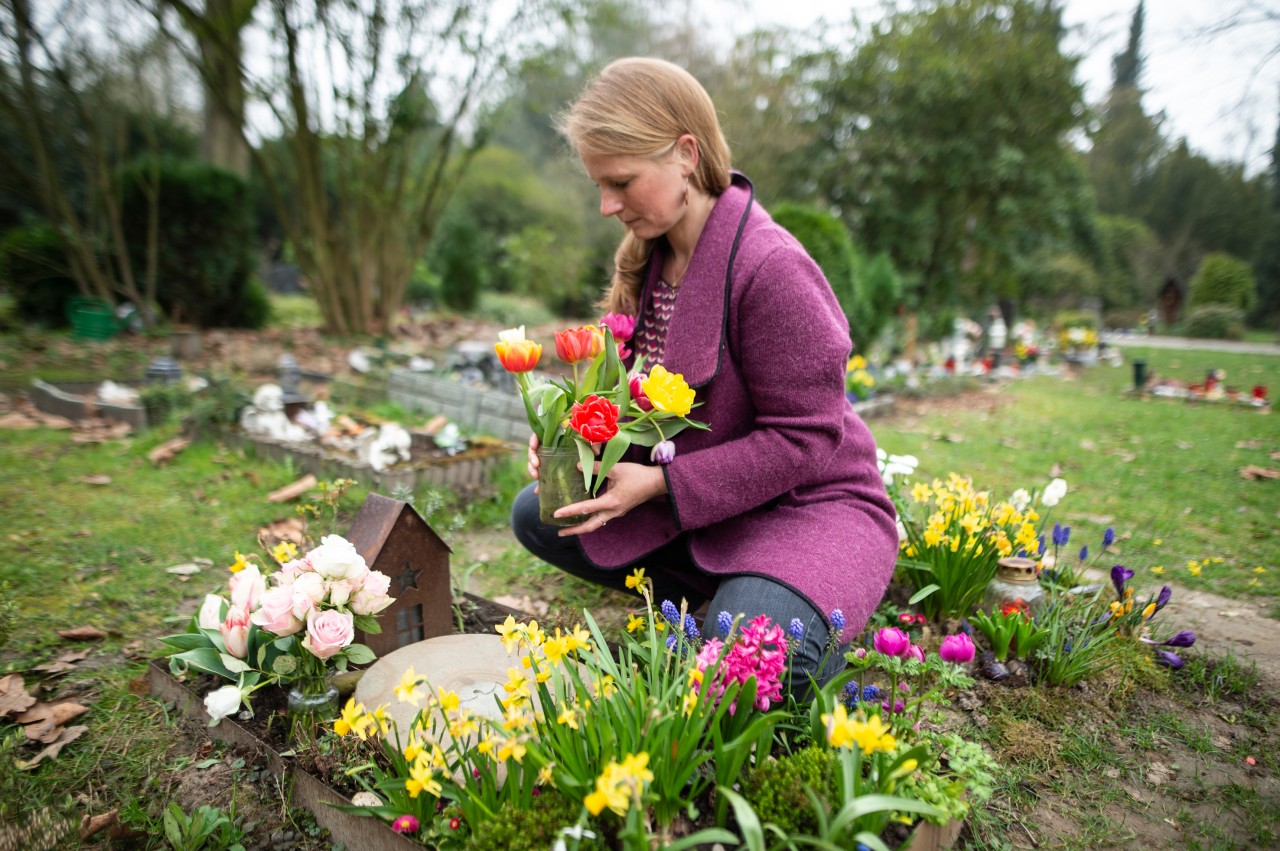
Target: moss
pixel 534 829
pixel 776 788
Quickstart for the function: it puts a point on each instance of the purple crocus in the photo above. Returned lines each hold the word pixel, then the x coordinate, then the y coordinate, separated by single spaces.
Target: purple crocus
pixel 1162 599
pixel 663 452
pixel 1186 638
pixel 795 629
pixel 1119 576
pixel 724 622
pixel 1169 659
pixel 1108 537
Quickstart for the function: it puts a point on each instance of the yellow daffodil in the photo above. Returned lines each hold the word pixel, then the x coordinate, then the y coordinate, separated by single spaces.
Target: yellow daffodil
pixel 555 648
pixel 689 703
pixel 284 552
pixel 840 727
pixel 604 687
pixel 412 749
pixel 422 779
pixel 546 775
pixel 512 748
pixel 351 714
pixel 569 717
pixel 668 391
pixel 407 691
pixel 239 564
pixel 449 701
pixel 872 735
pixel 534 634
pixel 638 580
pixel 509 631
pixel 634 623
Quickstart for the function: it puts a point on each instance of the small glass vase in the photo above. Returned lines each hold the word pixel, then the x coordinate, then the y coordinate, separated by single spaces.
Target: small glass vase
pixel 560 484
pixel 311 701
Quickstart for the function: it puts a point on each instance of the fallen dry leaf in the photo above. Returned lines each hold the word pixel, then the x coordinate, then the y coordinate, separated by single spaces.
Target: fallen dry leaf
pixel 434 424
pixel 51 751
pixel 43 722
pixel 187 569
pixel 91 825
pixel 96 480
pixel 289 529
pixel 82 633
pixel 134 649
pixel 14 698
pixel 1256 473
pixel 65 662
pixel 165 451
pixel 82 533
pixel 291 492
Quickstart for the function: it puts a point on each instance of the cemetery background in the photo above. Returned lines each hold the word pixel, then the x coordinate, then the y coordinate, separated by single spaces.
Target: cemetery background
pixel 1080 217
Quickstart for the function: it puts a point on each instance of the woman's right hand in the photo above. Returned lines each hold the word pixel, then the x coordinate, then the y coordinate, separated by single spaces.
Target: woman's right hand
pixel 533 456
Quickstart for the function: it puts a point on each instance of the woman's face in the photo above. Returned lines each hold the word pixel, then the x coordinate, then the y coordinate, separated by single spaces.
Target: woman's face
pixel 647 195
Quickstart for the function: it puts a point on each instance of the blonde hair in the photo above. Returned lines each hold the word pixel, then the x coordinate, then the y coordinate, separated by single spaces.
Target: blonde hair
pixel 640 107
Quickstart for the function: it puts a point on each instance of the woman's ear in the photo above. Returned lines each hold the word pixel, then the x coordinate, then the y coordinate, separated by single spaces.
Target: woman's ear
pixel 687 148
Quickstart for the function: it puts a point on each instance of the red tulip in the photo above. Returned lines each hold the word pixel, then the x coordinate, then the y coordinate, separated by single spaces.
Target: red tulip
pixel 595 418
pixel 579 344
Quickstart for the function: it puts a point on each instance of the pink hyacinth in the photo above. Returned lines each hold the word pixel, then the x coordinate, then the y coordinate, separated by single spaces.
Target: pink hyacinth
pixel 760 651
pixel 957 649
pixel 892 641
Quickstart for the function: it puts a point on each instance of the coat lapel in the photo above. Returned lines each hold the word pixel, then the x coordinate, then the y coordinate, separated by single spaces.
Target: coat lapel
pixel 696 334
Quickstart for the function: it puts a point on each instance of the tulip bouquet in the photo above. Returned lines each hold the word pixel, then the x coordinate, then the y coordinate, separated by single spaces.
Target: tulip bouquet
pixel 602 407
pixel 294 625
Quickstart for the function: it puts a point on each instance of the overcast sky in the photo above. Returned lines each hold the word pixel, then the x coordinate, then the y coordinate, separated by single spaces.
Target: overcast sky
pixel 1219 92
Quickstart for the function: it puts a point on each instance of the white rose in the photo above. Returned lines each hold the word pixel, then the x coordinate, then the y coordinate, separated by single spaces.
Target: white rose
pixel 336 558
pixel 372 597
pixel 210 616
pixel 1054 493
pixel 221 703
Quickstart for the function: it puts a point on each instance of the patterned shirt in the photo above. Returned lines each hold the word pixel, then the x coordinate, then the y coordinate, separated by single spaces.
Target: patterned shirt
pixel 651 341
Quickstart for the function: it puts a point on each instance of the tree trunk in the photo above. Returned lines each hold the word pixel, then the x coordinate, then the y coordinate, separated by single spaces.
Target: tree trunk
pixel 222 143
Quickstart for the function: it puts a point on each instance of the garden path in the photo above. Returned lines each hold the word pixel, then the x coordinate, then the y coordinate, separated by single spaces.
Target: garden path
pixel 1161 342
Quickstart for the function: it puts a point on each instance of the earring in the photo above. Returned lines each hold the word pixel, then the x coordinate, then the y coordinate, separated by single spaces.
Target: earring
pixel 686 190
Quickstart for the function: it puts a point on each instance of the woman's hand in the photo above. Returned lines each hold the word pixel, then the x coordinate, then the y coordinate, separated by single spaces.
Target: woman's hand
pixel 533 456
pixel 628 485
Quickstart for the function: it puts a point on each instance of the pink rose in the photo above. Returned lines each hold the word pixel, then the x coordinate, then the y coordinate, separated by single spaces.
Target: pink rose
pixel 892 641
pixel 308 593
pixel 210 616
pixel 372 596
pixel 340 592
pixel 328 632
pixel 957 649
pixel 275 614
pixel 235 632
pixel 298 566
pixel 247 587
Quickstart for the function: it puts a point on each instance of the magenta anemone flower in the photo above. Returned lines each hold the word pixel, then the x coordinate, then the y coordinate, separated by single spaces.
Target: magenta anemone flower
pixel 957 649
pixel 892 641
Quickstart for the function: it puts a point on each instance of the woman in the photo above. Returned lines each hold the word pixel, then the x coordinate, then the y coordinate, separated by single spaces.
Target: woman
pixel 779 508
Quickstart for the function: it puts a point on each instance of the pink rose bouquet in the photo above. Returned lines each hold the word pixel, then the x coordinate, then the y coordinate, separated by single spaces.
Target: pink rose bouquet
pixel 294 623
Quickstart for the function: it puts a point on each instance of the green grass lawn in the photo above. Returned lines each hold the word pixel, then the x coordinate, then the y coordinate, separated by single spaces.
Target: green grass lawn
pixel 1164 473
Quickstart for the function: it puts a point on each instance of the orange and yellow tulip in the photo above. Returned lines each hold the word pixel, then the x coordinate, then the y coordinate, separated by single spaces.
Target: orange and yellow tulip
pixel 518 355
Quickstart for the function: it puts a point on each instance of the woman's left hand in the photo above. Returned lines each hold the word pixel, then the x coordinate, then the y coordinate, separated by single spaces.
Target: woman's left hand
pixel 628 485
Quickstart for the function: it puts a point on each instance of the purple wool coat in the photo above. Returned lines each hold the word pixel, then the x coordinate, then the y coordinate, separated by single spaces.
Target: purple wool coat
pixel 785 484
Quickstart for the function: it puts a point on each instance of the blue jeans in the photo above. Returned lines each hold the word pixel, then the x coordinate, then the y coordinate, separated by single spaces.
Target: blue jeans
pixel 676 576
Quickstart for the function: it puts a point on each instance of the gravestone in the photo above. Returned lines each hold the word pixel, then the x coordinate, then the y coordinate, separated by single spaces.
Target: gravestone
pixel 395 540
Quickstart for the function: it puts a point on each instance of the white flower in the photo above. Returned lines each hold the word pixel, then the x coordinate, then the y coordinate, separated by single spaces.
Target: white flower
pixel 210 616
pixel 902 530
pixel 1053 493
pixel 221 703
pixel 512 335
pixel 576 832
pixel 1020 499
pixel 898 465
pixel 337 558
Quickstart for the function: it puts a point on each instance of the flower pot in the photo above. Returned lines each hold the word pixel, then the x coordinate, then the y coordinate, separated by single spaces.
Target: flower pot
pixel 311 700
pixel 560 484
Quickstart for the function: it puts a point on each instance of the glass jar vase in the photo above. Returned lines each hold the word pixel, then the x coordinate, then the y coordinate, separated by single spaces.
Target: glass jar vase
pixel 560 484
pixel 311 700
pixel 1016 583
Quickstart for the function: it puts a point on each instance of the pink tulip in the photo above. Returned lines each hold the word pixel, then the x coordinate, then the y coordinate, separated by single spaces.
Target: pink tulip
pixel 892 641
pixel 957 649
pixel 621 324
pixel 641 400
pixel 235 632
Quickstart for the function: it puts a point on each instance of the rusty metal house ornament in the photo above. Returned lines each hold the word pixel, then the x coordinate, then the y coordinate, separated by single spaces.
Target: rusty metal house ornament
pixel 394 539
